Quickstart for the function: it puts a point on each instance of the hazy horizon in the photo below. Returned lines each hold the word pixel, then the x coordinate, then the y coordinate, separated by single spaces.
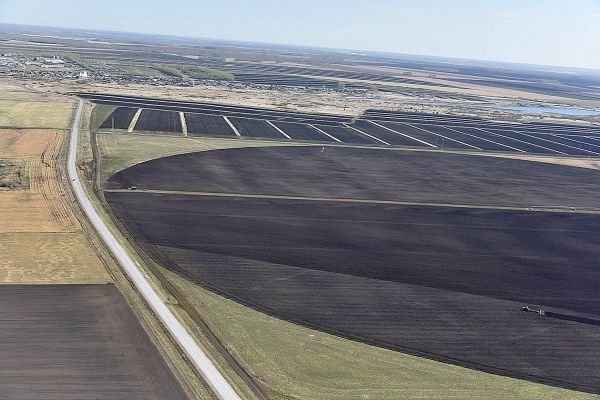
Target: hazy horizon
pixel 542 33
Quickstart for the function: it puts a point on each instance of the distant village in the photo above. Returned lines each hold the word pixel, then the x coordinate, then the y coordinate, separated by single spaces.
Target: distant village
pixel 64 68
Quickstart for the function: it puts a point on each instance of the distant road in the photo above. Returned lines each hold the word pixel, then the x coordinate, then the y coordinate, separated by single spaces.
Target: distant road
pixel 207 370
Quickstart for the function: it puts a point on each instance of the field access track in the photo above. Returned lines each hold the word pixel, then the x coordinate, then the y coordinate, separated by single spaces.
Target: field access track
pixel 363 244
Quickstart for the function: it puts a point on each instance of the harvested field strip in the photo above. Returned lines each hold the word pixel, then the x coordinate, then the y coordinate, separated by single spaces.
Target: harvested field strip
pixel 26 143
pixel 279 130
pixel 362 132
pixel 39 258
pixel 184 128
pixel 484 141
pixel 423 135
pixel 134 120
pixel 544 209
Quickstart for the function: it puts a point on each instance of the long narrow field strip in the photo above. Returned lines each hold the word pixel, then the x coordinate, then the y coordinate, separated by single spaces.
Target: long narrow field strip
pixel 533 208
pixel 256 128
pixel 134 120
pixel 207 125
pixel 183 123
pixel 402 134
pixel 366 134
pixel 452 133
pixel 446 138
pixel 348 135
pixel 499 146
pixel 507 135
pixel 325 133
pixel 279 130
pixel 301 131
pixel 233 128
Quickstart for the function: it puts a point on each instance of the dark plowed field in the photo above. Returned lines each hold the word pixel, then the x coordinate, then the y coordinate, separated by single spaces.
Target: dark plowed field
pixel 386 135
pixel 441 282
pixel 200 124
pixel 77 342
pixel 159 121
pixel 348 135
pixel 437 282
pixel 370 174
pixel 255 128
pixel 120 118
pixel 302 132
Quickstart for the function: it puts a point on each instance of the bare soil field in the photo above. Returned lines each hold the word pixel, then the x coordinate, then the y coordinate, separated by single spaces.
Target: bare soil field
pixel 324 264
pixel 299 362
pixel 411 176
pixel 61 342
pixel 159 121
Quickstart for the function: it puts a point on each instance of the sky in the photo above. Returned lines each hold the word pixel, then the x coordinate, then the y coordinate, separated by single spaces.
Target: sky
pixel 547 32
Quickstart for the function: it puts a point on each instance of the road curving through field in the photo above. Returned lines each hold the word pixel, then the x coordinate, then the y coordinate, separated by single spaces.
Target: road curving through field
pixel 201 362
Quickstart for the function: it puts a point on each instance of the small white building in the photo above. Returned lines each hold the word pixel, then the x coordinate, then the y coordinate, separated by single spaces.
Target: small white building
pixel 83 74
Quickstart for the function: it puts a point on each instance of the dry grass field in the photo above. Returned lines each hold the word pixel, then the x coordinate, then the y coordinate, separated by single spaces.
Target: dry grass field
pixel 28 110
pixel 41 208
pixel 41 241
pixel 49 258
